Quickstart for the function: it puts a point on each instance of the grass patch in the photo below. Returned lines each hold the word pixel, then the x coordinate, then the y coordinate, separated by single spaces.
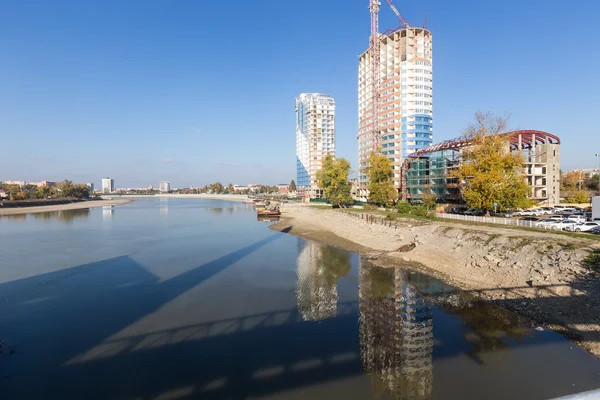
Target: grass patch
pixel 568 246
pixel 549 247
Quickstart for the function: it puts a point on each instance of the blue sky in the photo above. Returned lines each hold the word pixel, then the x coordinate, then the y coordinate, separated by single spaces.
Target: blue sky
pixel 197 91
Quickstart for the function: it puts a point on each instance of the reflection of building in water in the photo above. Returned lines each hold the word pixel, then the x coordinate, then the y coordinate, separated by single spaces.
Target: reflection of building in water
pixel 396 334
pixel 164 206
pixel 319 267
pixel 317 300
pixel 107 213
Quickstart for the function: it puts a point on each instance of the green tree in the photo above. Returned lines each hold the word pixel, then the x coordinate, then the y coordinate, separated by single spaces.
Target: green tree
pixel 381 184
pixel 216 188
pixel 333 179
pixel 579 197
pixel 43 192
pixel 593 183
pixel 490 173
pixel 293 186
pixel 230 189
pixel 66 188
pixel 80 191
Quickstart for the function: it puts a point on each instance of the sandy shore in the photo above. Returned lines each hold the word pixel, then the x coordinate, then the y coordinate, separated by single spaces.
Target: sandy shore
pixel 541 276
pixel 62 207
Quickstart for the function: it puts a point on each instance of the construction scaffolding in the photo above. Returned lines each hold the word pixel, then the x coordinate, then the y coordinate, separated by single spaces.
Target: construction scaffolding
pixel 428 171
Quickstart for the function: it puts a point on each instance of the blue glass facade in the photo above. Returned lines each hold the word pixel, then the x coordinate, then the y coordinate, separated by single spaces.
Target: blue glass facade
pixel 416 133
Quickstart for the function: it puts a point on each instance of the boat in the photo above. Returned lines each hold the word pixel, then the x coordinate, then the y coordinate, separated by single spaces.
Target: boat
pixel 269 209
pixel 262 212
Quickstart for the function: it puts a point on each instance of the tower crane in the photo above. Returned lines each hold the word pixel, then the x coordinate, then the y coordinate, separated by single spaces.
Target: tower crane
pixel 375 60
pixel 400 17
pixel 374 52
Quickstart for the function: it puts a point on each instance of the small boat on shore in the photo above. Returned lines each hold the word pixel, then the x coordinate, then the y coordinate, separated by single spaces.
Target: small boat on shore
pixel 269 209
pixel 261 212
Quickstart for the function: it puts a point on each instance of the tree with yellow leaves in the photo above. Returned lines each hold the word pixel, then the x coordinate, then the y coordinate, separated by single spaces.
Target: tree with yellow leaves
pixel 490 173
pixel 381 185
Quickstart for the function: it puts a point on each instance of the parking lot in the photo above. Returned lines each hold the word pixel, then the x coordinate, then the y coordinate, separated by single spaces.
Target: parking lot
pixel 559 218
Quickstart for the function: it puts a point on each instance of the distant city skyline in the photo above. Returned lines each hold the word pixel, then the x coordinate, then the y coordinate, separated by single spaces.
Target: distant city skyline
pixel 92 92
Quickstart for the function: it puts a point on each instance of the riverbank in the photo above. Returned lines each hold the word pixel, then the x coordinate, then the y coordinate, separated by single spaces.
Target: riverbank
pixel 543 276
pixel 62 207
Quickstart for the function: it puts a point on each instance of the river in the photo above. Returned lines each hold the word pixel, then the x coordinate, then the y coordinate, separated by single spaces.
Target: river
pixel 188 298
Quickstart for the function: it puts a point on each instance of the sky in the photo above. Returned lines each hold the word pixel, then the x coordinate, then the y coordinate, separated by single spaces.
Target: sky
pixel 198 91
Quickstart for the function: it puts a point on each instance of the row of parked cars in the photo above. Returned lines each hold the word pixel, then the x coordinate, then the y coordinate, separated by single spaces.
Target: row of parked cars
pixel 574 219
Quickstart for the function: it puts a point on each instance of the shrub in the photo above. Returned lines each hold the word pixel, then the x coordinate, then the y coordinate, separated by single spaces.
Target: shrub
pixel 420 211
pixel 390 216
pixel 403 207
pixel 370 207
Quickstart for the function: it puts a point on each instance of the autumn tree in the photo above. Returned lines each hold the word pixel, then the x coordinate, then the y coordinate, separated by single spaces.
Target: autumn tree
pixel 333 179
pixel 571 179
pixel 490 173
pixel 293 186
pixel 381 184
pixel 579 197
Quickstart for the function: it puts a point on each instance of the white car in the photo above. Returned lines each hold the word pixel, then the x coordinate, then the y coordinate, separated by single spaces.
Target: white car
pixel 576 217
pixel 582 227
pixel 546 223
pixel 561 225
pixel 530 213
pixel 557 217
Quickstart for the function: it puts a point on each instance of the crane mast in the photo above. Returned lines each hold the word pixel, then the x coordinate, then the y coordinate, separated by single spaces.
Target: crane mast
pixel 374 52
pixel 375 60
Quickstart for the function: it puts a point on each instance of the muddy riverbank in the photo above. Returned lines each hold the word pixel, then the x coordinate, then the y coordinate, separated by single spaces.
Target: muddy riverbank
pixel 545 277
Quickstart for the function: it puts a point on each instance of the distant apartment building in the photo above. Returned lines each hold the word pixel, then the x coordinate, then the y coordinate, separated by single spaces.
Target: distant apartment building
pixel 38 184
pixel 90 187
pixel 165 187
pixel 108 185
pixel 405 109
pixel 315 139
pixel 587 173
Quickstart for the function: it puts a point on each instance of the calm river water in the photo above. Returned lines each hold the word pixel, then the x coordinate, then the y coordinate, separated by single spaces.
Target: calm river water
pixel 186 299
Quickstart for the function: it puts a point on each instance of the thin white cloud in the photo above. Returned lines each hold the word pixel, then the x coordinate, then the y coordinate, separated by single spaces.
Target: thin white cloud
pixel 167 160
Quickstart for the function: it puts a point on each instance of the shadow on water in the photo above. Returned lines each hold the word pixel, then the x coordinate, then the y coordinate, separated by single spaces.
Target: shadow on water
pixel 73 346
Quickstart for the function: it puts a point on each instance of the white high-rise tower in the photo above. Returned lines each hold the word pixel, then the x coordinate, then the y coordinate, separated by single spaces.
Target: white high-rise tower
pixel 405 99
pixel 315 138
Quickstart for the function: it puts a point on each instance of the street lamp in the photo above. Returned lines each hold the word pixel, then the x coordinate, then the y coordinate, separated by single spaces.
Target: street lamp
pixel 598 155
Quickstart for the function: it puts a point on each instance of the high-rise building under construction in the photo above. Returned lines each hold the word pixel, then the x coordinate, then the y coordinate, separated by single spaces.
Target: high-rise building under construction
pixel 315 139
pixel 402 96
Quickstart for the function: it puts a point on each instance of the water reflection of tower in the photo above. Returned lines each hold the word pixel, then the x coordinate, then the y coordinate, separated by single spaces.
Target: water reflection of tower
pixel 316 295
pixel 107 213
pixel 164 206
pixel 396 334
